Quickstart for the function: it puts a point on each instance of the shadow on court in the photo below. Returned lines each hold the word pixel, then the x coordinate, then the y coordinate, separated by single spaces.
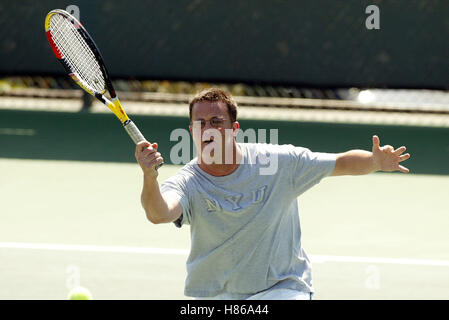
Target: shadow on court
pixel 99 137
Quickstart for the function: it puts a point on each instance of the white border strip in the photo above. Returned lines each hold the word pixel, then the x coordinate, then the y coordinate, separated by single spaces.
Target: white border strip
pixel 185 252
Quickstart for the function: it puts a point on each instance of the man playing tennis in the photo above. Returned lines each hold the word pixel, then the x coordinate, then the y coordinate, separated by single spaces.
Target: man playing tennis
pixel 245 230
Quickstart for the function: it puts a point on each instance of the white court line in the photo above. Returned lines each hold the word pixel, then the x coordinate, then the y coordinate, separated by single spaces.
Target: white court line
pixel 89 248
pixel 185 252
pixel 379 260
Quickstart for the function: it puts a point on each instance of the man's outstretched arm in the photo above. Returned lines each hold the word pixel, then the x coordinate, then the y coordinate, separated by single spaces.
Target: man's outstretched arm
pixel 358 162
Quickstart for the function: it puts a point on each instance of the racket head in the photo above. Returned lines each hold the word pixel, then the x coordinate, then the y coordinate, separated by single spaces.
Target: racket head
pixel 77 52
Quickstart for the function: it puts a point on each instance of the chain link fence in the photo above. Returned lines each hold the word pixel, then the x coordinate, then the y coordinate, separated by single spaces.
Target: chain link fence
pixel 315 44
pixel 319 57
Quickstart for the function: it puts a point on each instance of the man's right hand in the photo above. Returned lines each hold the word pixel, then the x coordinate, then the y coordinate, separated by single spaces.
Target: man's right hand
pixel 157 208
pixel 148 157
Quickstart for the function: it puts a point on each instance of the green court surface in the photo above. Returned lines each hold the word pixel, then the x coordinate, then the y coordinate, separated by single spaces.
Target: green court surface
pixel 381 236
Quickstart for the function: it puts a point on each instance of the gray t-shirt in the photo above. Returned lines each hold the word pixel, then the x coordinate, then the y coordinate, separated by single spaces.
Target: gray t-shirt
pixel 245 230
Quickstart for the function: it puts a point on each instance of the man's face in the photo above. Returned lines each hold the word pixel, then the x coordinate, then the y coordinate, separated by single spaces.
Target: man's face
pixel 210 119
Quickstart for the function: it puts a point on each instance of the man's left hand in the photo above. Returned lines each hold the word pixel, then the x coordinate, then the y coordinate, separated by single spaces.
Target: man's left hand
pixel 388 159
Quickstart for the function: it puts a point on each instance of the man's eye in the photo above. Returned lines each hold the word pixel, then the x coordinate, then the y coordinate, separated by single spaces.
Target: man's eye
pixel 217 121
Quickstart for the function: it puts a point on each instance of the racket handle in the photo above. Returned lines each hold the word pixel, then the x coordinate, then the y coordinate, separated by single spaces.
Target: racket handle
pixel 136 135
pixel 133 132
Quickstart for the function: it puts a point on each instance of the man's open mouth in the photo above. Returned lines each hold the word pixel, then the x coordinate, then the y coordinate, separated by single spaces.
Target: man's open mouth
pixel 208 141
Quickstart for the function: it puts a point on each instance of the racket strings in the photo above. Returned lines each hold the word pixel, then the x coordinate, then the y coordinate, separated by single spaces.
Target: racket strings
pixel 77 53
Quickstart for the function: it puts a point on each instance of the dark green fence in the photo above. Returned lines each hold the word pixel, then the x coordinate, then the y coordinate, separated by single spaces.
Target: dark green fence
pixel 322 43
pixel 99 137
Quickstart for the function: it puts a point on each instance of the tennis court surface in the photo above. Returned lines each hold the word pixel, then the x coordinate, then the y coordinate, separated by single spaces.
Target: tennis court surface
pixel 382 236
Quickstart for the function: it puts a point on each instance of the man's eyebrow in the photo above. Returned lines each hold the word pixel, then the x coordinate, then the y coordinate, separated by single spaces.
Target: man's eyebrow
pixel 218 116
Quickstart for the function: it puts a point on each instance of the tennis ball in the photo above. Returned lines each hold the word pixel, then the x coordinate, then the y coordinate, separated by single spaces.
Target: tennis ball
pixel 80 293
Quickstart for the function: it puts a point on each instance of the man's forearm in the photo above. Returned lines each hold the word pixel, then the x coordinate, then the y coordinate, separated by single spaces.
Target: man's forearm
pixel 155 206
pixel 355 162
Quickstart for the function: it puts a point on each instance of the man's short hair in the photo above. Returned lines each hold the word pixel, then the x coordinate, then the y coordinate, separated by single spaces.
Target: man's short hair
pixel 212 95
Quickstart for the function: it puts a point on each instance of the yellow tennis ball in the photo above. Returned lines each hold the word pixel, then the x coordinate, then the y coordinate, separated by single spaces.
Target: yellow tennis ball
pixel 80 293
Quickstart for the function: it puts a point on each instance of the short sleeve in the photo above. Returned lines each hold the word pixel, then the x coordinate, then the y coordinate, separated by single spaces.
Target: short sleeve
pixel 176 188
pixel 309 168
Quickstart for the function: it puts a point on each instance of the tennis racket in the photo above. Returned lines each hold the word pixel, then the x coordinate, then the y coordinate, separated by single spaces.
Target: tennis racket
pixel 82 60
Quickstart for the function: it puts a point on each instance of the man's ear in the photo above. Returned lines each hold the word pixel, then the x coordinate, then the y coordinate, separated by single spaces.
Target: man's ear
pixel 235 128
pixel 190 129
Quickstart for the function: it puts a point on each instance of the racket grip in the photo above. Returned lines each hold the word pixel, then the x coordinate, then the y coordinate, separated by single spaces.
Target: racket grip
pixel 133 132
pixel 136 135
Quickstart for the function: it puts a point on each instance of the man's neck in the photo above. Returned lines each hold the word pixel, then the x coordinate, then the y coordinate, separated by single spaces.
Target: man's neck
pixel 224 169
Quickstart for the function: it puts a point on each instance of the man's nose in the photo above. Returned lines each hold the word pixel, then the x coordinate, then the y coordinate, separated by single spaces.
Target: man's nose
pixel 207 125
